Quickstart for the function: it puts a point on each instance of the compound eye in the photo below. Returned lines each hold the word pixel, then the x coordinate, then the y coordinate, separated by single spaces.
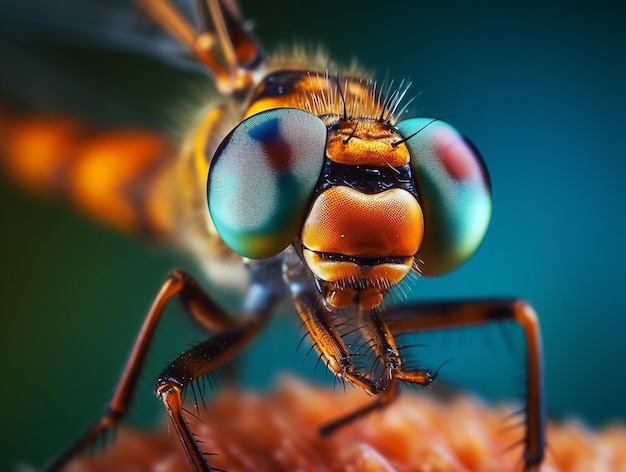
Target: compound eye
pixel 454 189
pixel 262 178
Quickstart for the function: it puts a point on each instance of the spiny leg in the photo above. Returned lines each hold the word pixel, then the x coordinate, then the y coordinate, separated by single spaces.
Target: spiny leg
pixel 425 316
pixel 384 344
pixel 197 304
pixel 193 364
pixel 380 337
pixel 328 342
pixel 334 351
pixel 266 290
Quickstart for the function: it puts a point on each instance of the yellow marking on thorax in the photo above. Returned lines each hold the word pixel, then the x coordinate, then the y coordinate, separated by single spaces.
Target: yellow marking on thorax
pixel 203 134
pixel 196 232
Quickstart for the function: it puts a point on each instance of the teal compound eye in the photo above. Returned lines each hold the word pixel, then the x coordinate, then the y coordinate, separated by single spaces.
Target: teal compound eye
pixel 262 178
pixel 454 191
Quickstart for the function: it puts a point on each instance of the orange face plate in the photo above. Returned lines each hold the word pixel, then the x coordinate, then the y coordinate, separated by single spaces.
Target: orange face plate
pixel 346 222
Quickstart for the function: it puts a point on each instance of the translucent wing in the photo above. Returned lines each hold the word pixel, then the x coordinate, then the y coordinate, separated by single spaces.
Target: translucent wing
pixel 113 24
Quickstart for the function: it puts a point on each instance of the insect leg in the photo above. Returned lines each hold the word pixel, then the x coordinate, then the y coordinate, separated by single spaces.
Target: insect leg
pixel 197 304
pixel 266 289
pixel 229 52
pixel 383 342
pixel 193 364
pixel 334 351
pixel 380 337
pixel 425 316
pixel 328 341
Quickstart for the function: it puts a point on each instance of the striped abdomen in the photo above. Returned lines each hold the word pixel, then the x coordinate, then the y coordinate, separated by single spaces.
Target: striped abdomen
pixel 115 175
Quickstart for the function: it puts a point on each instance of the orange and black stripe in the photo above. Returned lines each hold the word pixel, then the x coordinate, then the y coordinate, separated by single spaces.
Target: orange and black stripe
pixel 113 175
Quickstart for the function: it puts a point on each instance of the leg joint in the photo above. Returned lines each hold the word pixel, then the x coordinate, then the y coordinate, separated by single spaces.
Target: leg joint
pixel 165 386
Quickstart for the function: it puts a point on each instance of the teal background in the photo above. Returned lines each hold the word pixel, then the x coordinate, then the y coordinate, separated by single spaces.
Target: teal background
pixel 539 88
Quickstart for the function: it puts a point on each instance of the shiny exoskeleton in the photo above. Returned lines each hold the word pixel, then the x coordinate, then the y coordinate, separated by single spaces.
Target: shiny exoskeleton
pixel 305 182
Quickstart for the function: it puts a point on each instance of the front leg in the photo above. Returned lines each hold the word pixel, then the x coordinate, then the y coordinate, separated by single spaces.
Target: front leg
pixel 453 314
pixel 233 334
pixel 197 304
pixel 265 292
pixel 189 367
pixel 334 351
pixel 328 341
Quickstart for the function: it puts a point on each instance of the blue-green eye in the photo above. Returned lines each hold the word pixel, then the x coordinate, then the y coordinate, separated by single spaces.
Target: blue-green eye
pixel 262 178
pixel 454 189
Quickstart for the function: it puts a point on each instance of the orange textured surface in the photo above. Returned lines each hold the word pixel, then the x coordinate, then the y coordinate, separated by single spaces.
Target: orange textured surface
pixel 346 221
pixel 367 143
pixel 278 432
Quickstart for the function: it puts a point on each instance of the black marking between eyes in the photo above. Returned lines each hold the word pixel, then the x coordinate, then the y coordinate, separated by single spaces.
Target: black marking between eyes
pixel 363 261
pixel 366 179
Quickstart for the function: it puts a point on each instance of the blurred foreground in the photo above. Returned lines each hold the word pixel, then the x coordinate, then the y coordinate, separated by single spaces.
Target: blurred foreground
pixel 279 432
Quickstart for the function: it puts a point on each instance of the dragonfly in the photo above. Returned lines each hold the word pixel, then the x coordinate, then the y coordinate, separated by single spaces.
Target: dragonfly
pixel 305 182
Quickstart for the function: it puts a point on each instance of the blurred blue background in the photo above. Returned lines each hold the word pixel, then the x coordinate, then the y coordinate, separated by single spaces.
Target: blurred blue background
pixel 538 87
